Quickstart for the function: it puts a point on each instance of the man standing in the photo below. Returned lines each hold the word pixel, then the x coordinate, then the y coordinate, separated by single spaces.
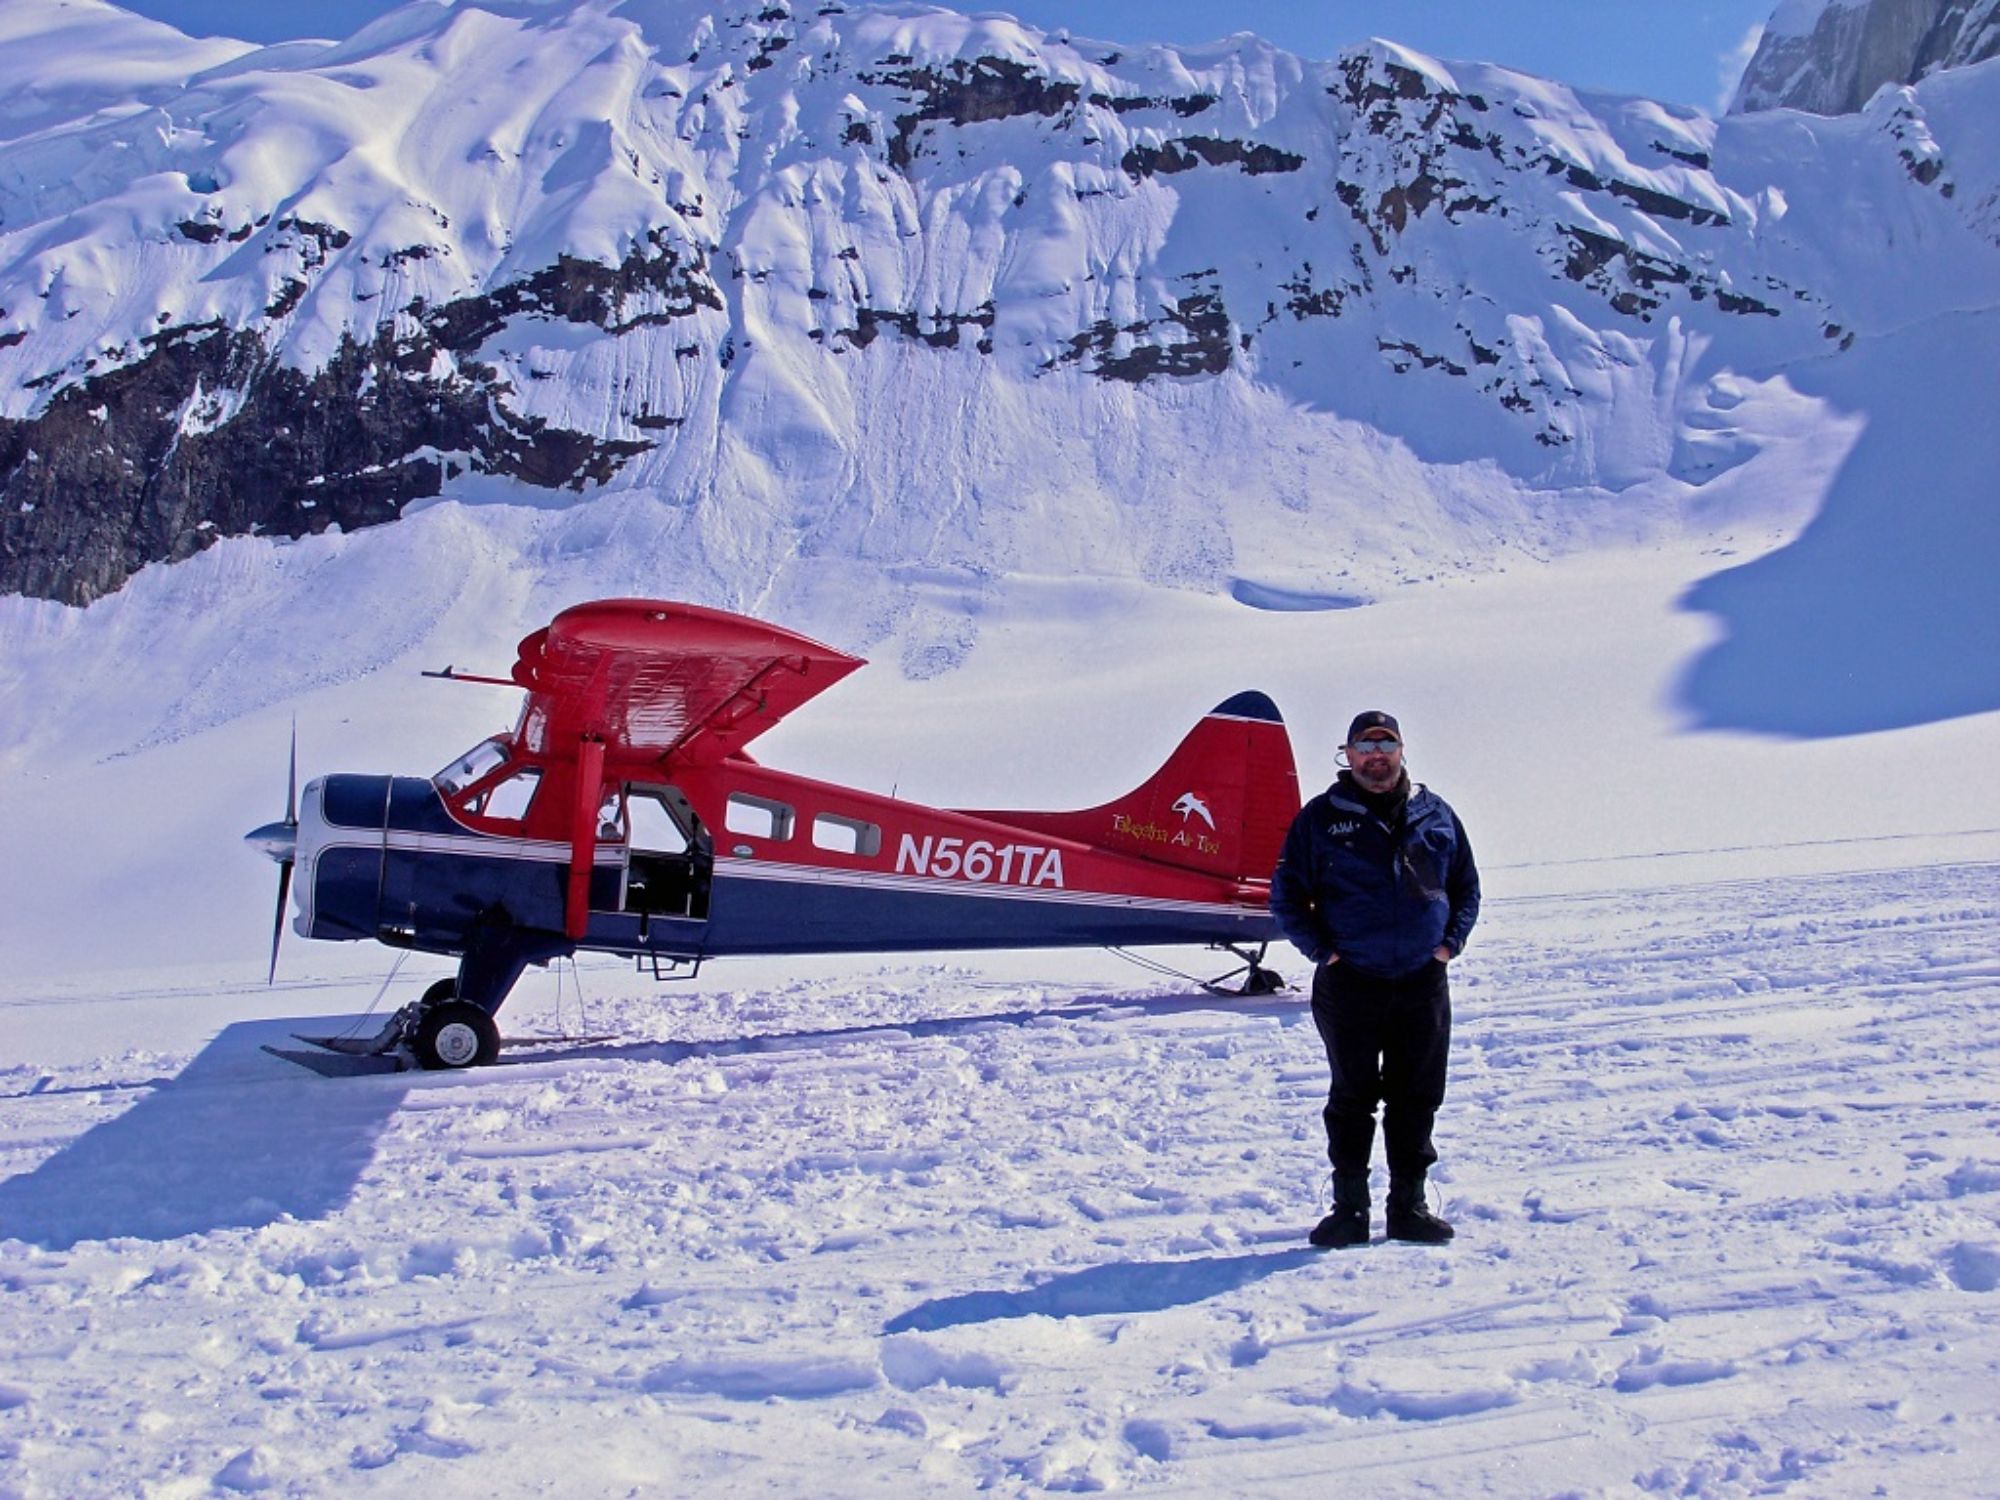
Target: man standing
pixel 1377 887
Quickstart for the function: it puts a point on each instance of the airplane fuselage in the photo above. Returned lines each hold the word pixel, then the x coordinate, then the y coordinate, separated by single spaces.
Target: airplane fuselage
pixel 385 857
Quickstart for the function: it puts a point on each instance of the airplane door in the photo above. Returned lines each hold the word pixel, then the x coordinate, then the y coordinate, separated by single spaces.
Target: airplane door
pixel 670 855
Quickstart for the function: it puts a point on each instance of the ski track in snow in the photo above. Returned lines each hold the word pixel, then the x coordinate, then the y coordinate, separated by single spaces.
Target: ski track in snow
pixel 1724 1157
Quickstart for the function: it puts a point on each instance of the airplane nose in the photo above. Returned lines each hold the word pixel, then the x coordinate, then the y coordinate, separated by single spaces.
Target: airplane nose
pixel 277 840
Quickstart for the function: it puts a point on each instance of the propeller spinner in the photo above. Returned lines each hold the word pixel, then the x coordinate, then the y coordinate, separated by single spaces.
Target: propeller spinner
pixel 281 842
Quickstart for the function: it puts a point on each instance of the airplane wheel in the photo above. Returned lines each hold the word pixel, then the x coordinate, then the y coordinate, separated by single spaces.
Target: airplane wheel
pixel 456 1035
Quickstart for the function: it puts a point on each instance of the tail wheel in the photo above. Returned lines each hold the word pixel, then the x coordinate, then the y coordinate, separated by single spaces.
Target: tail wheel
pixel 455 1035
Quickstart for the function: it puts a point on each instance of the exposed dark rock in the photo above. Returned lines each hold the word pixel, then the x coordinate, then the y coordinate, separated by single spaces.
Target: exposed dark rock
pixel 1925 169
pixel 1696 159
pixel 1364 87
pixel 204 435
pixel 1592 252
pixel 1189 152
pixel 1735 302
pixel 1185 106
pixel 312 241
pixel 577 291
pixel 968 93
pixel 1308 300
pixel 1404 354
pixel 942 333
pixel 287 299
pixel 1406 201
pixel 1207 350
pixel 1664 205
pixel 1592 255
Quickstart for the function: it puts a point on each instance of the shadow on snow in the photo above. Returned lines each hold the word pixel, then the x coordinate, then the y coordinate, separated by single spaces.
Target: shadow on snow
pixel 1882 613
pixel 1121 1287
pixel 236 1141
pixel 1287 1005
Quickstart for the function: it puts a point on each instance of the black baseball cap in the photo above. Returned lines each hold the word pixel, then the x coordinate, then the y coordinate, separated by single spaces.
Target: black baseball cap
pixel 1373 719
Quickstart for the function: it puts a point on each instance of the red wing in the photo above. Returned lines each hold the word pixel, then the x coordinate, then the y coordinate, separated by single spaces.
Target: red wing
pixel 653 679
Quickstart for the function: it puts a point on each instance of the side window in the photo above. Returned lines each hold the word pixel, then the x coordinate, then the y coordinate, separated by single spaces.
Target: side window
pixel 846 835
pixel 757 817
pixel 508 799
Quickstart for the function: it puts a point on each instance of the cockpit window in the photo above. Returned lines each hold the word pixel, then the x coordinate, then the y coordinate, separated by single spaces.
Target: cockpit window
pixel 509 799
pixel 480 760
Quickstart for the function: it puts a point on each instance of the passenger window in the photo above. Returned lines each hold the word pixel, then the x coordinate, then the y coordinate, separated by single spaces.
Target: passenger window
pixel 846 835
pixel 757 817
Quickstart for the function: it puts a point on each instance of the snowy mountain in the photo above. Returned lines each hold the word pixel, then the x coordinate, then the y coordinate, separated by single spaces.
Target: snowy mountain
pixel 1642 463
pixel 856 291
pixel 1830 56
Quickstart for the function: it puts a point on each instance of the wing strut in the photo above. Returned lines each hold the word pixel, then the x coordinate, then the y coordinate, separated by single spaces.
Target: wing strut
pixel 583 836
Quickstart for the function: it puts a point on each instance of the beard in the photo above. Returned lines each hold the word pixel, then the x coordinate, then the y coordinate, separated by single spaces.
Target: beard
pixel 1378 775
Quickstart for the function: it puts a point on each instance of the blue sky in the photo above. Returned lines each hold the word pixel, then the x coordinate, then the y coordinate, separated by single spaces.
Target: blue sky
pixel 1684 51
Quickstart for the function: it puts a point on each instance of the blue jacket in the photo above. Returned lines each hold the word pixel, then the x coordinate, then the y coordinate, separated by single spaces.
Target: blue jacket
pixel 1381 897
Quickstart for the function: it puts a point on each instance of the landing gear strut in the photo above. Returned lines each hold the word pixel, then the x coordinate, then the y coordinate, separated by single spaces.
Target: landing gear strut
pixel 452 1026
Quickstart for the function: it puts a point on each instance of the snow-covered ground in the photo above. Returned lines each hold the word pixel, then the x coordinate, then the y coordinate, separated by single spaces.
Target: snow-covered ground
pixel 1722 1142
pixel 1723 1157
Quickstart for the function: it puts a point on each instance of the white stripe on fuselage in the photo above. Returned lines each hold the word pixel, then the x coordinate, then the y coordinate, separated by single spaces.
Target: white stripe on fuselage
pixel 751 869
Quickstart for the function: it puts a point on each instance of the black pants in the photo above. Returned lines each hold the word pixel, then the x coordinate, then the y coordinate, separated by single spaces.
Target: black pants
pixel 1386 1042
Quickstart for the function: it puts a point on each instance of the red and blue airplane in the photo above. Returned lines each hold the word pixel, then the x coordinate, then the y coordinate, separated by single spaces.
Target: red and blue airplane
pixel 623 815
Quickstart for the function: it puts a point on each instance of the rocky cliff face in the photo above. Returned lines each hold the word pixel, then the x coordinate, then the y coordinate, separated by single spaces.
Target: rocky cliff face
pixel 1830 56
pixel 904 287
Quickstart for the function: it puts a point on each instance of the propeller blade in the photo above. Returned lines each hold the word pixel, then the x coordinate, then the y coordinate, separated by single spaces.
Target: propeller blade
pixel 278 926
pixel 292 781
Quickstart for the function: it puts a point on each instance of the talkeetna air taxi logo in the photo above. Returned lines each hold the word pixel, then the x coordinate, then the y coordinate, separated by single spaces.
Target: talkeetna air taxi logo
pixel 1190 807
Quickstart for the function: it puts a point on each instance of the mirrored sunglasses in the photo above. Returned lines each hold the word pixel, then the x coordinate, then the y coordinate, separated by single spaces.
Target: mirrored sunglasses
pixel 1374 747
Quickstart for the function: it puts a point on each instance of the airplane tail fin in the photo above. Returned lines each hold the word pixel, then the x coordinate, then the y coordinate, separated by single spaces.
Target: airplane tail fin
pixel 1221 804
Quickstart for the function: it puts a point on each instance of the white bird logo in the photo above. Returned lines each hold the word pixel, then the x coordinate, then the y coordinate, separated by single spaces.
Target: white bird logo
pixel 1189 805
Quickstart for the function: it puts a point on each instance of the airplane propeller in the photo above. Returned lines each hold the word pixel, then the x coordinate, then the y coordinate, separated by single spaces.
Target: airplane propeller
pixel 281 842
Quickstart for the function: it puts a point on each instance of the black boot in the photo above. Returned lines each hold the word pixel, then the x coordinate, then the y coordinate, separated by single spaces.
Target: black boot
pixel 1410 1217
pixel 1347 1225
